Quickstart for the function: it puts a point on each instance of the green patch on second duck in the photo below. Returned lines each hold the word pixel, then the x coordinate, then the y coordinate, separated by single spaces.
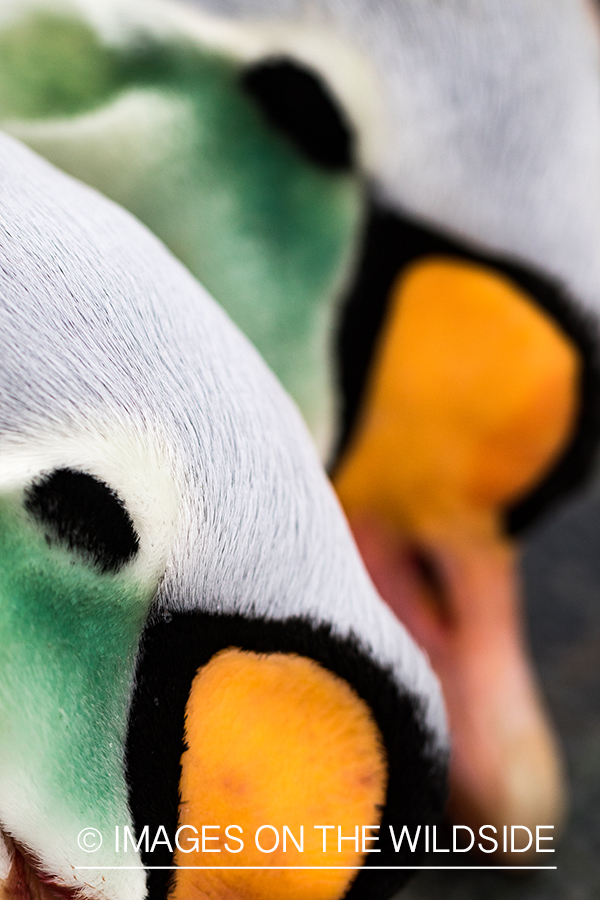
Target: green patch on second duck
pixel 167 129
pixel 68 639
pixel 51 66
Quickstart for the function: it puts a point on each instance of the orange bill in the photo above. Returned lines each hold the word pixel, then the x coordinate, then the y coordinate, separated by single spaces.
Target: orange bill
pixel 276 744
pixel 472 399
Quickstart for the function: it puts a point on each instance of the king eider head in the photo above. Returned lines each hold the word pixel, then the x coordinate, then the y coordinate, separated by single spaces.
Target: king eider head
pixel 188 638
pixel 384 209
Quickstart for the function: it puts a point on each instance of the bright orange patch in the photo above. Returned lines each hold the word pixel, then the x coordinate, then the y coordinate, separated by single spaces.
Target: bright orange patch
pixel 473 397
pixel 276 739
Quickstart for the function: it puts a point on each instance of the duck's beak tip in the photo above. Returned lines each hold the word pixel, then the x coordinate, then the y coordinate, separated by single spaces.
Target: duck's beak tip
pixel 506 767
pixel 21 878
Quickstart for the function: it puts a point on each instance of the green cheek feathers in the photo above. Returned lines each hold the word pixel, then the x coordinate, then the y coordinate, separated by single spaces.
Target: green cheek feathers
pixel 270 234
pixel 68 638
pixel 51 66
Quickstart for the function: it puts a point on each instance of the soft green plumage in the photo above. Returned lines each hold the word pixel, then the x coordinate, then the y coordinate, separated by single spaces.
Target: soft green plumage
pixel 165 129
pixel 51 66
pixel 68 638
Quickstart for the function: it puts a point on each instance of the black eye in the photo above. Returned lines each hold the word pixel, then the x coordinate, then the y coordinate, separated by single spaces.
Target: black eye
pixel 297 102
pixel 84 514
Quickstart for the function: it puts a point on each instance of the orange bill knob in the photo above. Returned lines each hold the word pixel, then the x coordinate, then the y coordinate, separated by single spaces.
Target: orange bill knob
pixel 275 739
pixel 473 397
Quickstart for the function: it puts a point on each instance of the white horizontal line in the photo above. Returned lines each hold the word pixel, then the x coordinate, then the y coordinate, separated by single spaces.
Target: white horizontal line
pixel 351 868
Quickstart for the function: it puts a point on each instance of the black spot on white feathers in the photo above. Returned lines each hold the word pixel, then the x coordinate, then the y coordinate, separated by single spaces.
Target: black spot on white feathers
pixel 82 513
pixel 171 654
pixel 297 103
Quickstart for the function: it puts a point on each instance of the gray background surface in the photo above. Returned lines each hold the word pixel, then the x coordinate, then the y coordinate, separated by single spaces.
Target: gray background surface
pixel 561 567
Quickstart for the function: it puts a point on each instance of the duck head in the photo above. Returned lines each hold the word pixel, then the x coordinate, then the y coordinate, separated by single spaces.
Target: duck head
pixel 291 159
pixel 188 638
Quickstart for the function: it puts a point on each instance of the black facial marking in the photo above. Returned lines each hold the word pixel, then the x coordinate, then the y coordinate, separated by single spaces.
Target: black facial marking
pixel 392 242
pixel 84 514
pixel 297 102
pixel 172 652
